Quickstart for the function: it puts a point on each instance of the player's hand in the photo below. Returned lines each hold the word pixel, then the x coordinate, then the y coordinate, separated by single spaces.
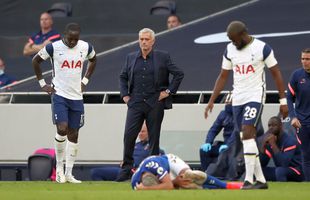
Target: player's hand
pixel 265 142
pixel 48 89
pixel 206 147
pixel 272 139
pixel 181 182
pixel 284 111
pixel 208 109
pixel 140 186
pixel 296 123
pixel 163 95
pixel 83 87
pixel 126 99
pixel 222 148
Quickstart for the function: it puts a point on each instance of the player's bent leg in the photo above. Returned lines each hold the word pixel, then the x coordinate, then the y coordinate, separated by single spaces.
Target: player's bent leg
pixel 198 177
pixel 71 153
pixel 251 158
pixel 60 145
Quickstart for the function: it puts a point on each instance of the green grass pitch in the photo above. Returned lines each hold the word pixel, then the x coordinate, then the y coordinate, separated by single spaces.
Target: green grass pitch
pixel 111 190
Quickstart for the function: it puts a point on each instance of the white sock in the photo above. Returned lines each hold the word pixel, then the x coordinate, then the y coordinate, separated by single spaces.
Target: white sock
pixel 258 171
pixel 60 145
pixel 250 151
pixel 71 154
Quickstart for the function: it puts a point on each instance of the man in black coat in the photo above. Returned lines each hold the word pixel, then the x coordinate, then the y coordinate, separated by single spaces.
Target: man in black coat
pixel 146 89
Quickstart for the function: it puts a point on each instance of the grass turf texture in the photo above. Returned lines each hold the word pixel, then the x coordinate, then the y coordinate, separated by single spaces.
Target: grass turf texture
pixel 112 190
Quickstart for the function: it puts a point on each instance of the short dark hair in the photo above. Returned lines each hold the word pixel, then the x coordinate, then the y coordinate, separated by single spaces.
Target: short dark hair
pixel 174 15
pixel 72 27
pixel 306 50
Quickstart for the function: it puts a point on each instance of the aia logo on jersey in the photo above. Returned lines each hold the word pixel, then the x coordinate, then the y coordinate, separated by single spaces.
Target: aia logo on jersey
pixel 72 64
pixel 243 69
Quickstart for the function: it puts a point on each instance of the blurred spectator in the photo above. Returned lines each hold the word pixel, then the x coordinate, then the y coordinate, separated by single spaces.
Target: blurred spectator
pixel 141 151
pixel 284 150
pixel 211 150
pixel 45 36
pixel 173 21
pixel 4 78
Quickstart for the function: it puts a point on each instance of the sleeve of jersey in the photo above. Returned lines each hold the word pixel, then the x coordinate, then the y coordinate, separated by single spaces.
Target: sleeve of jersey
pixel 91 52
pixel 290 95
pixel 226 63
pixel 284 157
pixel 46 52
pixel 268 56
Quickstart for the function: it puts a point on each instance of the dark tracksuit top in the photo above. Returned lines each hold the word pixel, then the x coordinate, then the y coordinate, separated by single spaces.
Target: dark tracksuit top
pixel 288 156
pixel 223 121
pixel 299 92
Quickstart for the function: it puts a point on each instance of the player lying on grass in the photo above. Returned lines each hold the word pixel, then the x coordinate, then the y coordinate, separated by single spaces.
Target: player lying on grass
pixel 168 172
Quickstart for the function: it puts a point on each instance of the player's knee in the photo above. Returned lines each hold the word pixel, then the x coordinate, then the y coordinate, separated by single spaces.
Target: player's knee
pixel 72 136
pixel 248 132
pixel 62 129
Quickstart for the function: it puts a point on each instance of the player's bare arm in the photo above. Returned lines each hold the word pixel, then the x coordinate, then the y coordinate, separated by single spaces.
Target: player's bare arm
pixel 277 76
pixel 89 71
pixel 181 182
pixel 36 61
pixel 218 87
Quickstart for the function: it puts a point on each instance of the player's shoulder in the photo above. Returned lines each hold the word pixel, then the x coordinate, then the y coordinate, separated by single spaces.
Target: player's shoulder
pixel 298 72
pixel 230 46
pixel 56 45
pixel 257 43
pixel 289 140
pixel 83 43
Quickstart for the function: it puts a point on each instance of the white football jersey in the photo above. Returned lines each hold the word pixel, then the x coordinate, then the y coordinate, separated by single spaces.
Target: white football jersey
pixel 67 66
pixel 248 67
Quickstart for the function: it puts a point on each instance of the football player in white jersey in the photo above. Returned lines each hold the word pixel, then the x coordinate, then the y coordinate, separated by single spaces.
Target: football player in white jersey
pixel 247 57
pixel 67 57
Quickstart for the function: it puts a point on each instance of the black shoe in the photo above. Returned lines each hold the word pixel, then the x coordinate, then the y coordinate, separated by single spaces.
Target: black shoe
pixel 260 185
pixel 247 186
pixel 124 175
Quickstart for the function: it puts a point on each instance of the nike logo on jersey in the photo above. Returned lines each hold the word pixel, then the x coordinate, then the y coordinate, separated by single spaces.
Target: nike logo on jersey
pixel 248 118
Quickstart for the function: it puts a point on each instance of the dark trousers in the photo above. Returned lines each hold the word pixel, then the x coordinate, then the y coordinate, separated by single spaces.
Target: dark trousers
pixel 304 136
pixel 206 158
pixel 104 173
pixel 282 174
pixel 136 114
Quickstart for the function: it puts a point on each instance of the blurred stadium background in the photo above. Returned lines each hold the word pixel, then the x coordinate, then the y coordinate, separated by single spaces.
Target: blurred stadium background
pixel 112 26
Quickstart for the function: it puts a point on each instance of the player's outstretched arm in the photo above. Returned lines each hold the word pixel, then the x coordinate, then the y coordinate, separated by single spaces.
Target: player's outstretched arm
pixel 277 76
pixel 218 87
